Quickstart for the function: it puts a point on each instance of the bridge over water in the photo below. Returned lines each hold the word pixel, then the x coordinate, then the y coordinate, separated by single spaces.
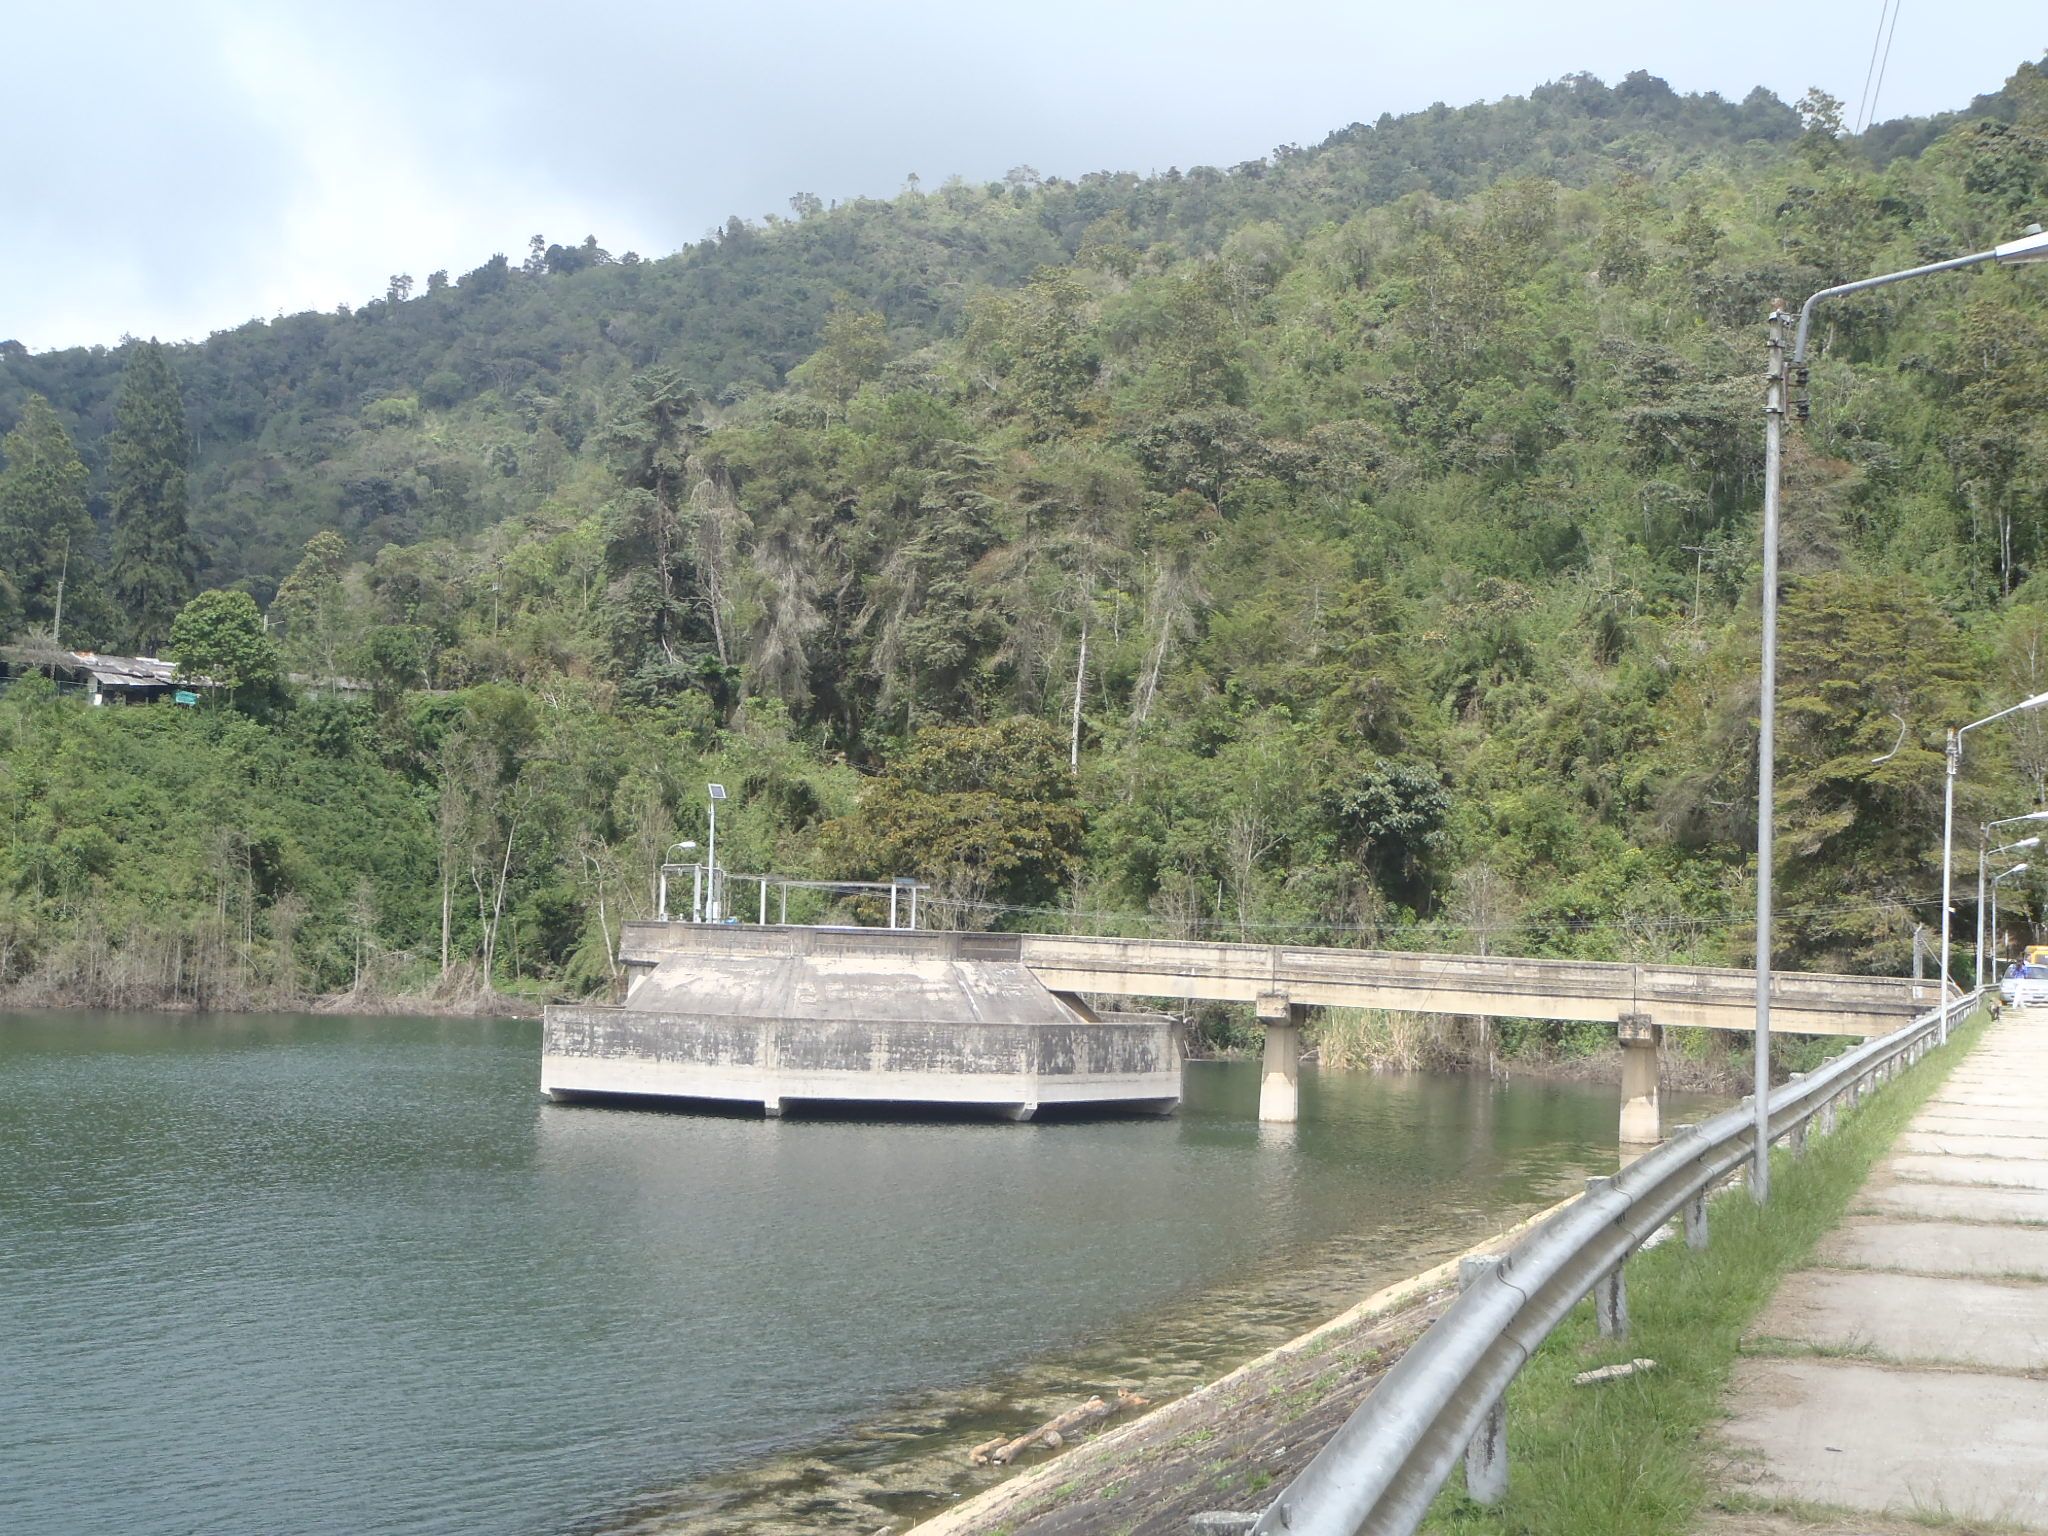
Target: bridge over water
pixel 1004 1021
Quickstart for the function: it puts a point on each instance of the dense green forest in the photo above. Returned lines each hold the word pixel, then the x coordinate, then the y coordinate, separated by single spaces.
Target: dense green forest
pixel 1355 545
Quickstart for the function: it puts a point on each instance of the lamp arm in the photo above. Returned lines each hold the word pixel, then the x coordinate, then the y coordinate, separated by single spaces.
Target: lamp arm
pixel 1806 309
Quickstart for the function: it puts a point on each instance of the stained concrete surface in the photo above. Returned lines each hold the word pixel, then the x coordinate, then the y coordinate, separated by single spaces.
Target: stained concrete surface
pixel 1972 1144
pixel 1915 1318
pixel 1934 1276
pixel 1956 1202
pixel 2010 1106
pixel 1893 1441
pixel 1938 1247
pixel 1981 1125
pixel 1935 1168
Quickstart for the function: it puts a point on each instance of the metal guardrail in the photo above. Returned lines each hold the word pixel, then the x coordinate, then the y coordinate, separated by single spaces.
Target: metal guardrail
pixel 1379 1473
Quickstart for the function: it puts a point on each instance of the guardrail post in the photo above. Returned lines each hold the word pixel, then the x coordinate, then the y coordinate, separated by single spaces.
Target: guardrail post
pixel 1610 1303
pixel 1610 1291
pixel 1796 1137
pixel 1827 1117
pixel 1486 1455
pixel 1696 1222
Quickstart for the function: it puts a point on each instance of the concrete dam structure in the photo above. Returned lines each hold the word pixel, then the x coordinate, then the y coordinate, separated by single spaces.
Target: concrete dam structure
pixel 783 1016
pixel 998 1022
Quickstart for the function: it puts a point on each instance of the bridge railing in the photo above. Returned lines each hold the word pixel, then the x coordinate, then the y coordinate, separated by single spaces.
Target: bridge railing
pixel 1633 986
pixel 1443 1399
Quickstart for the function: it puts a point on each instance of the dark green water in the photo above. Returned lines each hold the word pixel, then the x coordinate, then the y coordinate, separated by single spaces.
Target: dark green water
pixel 312 1274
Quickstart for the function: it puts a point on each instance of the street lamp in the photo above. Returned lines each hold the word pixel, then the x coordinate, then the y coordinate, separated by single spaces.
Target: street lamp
pixel 1948 821
pixel 717 792
pixel 1983 837
pixel 2017 869
pixel 2027 842
pixel 2030 247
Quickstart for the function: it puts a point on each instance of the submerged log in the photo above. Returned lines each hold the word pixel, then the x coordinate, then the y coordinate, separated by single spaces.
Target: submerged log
pixel 1052 1434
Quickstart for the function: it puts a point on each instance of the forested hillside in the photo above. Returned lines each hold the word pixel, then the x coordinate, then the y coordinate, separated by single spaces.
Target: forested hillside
pixel 1358 544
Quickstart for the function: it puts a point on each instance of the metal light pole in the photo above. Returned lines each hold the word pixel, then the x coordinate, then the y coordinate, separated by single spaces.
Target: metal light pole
pixel 1766 755
pixel 2017 869
pixel 2031 247
pixel 717 792
pixel 1983 855
pixel 1948 825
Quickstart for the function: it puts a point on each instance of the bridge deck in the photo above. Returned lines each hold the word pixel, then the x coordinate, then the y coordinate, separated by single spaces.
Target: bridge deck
pixel 1495 986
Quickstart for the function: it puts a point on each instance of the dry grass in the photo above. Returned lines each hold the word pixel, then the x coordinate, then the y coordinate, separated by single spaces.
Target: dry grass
pixel 1372 1038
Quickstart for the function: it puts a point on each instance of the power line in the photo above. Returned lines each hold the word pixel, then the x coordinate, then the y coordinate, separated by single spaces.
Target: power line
pixel 1884 62
pixel 1870 69
pixel 1880 58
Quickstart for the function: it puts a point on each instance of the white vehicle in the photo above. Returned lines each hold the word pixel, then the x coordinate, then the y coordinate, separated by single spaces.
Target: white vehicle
pixel 2024 986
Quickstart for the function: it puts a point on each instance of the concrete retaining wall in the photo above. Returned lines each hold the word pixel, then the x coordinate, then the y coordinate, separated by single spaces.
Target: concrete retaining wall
pixel 1007 1069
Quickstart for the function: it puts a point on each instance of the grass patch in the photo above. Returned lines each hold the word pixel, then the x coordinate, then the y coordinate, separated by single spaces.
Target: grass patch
pixel 1627 1458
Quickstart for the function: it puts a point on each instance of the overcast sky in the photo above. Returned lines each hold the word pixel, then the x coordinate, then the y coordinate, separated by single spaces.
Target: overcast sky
pixel 179 168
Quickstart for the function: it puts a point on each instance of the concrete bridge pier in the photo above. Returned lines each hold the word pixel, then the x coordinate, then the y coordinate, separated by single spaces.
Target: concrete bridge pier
pixel 1642 1119
pixel 1280 1087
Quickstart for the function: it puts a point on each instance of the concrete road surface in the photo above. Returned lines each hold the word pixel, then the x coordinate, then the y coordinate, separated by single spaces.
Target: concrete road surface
pixel 1906 1373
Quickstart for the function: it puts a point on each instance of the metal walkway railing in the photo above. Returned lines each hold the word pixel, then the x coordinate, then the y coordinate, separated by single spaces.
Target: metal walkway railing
pixel 1444 1398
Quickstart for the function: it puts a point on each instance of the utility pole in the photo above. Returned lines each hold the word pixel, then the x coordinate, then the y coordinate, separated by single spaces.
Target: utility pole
pixel 1767 710
pixel 2031 247
pixel 63 571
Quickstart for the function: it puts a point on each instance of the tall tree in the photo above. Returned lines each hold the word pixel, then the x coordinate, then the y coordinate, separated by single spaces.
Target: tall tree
pixel 46 532
pixel 154 564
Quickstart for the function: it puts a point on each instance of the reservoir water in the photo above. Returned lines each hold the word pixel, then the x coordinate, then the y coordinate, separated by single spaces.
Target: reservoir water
pixel 319 1274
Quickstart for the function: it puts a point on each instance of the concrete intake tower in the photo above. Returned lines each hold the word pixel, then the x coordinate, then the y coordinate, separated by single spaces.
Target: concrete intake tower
pixel 780 1016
